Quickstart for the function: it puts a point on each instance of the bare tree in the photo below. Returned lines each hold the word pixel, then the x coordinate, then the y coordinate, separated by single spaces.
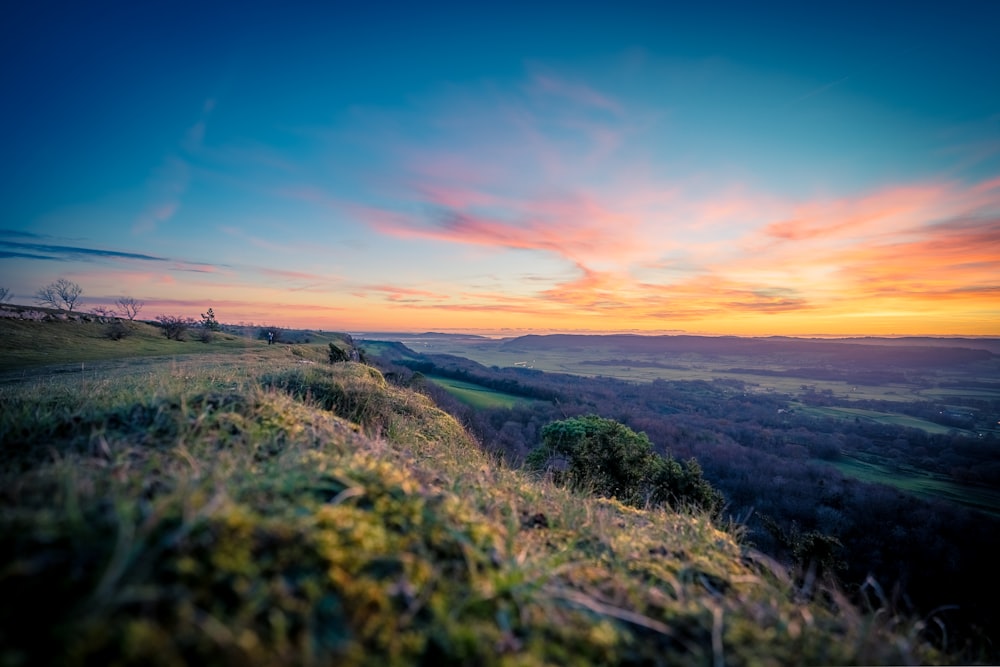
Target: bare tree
pixel 61 294
pixel 104 311
pixel 130 306
pixel 175 327
pixel 5 295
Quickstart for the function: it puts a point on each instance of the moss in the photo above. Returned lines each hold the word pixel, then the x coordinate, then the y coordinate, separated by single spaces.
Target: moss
pixel 319 516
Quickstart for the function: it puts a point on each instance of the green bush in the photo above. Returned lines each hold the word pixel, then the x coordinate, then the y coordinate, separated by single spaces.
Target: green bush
pixel 607 458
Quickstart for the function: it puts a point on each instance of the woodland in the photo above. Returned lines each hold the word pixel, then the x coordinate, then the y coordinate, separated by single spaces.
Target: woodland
pixel 782 463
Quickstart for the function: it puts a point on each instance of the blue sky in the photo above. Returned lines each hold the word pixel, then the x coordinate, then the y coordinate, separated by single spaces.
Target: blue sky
pixel 789 168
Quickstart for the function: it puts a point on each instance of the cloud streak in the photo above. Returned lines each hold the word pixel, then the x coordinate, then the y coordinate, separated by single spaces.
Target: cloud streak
pixel 71 253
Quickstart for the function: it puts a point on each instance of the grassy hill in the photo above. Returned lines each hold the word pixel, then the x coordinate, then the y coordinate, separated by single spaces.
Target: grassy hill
pixel 255 505
pixel 31 343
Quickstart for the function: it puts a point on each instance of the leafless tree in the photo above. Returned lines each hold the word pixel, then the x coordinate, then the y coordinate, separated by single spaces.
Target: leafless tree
pixel 130 306
pixel 62 294
pixel 5 295
pixel 104 311
pixel 175 327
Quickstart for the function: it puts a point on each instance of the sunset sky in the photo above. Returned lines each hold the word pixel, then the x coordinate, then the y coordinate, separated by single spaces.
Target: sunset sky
pixel 792 169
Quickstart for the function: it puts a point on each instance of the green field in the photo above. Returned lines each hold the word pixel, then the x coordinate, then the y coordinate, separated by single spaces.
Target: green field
pixel 951 392
pixel 477 395
pixel 875 416
pixel 920 483
pixel 377 348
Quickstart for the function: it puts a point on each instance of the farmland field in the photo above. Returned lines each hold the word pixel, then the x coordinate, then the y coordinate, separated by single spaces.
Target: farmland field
pixel 774 372
pixel 919 482
pixel 875 416
pixel 478 396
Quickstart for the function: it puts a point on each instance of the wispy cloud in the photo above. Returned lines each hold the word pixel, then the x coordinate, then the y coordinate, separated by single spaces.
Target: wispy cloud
pixel 167 187
pixel 578 93
pixel 171 180
pixel 68 253
pixel 574 230
pixel 21 234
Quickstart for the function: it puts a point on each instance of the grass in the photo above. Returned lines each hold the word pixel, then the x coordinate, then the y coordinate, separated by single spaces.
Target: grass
pixel 477 395
pixel 74 342
pixel 919 482
pixel 264 508
pixel 875 416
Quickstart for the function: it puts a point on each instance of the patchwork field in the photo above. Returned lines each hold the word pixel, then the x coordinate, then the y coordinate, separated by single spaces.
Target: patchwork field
pixel 920 482
pixel 759 372
pixel 478 396
pixel 875 416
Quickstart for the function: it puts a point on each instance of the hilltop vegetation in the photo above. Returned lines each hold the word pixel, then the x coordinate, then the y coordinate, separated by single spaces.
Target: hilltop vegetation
pixel 888 497
pixel 264 507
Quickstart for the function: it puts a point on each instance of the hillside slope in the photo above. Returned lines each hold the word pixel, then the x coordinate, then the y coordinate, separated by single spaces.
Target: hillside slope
pixel 284 511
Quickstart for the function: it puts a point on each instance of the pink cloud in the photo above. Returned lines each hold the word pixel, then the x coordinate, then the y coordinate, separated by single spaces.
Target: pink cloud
pixel 167 187
pixel 397 294
pixel 578 93
pixel 575 237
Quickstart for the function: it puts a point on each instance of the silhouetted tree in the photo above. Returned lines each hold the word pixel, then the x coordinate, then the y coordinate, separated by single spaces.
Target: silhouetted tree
pixel 174 327
pixel 130 307
pixel 62 294
pixel 208 321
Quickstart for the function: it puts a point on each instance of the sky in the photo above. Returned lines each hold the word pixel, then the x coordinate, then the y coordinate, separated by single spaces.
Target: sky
pixel 827 168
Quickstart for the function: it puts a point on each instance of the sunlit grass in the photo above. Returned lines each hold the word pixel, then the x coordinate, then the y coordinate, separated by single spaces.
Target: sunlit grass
pixel 267 508
pixel 477 395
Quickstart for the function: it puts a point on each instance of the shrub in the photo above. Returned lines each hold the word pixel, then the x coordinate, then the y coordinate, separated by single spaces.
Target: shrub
pixel 337 354
pixel 677 484
pixel 608 458
pixel 174 327
pixel 116 330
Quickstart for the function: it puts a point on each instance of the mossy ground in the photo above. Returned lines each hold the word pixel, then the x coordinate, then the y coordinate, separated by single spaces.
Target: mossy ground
pixel 274 510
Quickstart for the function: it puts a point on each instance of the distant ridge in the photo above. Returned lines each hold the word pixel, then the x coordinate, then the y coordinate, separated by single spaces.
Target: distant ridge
pixel 917 352
pixel 395 335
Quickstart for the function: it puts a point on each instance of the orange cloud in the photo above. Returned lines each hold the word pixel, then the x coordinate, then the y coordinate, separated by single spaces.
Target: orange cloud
pixel 577 231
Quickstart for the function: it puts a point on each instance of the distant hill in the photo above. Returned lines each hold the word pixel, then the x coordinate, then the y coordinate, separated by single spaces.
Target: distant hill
pixel 912 353
pixel 396 336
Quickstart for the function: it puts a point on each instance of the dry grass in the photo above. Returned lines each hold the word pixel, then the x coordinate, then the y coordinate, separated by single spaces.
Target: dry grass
pixel 265 509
